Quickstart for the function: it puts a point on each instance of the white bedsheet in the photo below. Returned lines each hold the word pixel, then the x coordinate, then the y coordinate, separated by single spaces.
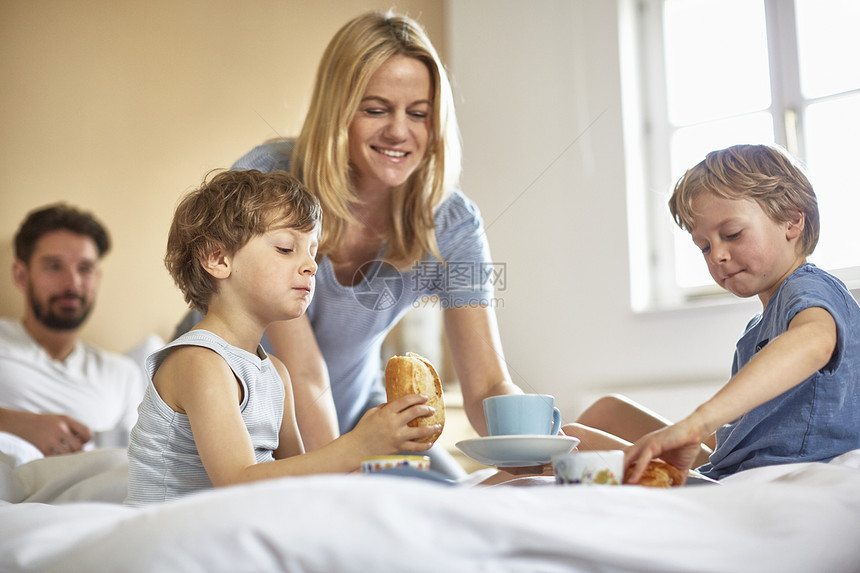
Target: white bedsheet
pixel 803 518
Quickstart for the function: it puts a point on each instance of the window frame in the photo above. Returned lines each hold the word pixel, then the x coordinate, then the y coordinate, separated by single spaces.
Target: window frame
pixel 653 284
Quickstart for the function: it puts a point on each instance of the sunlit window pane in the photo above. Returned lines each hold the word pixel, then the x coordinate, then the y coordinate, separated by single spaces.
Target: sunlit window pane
pixel 718 92
pixel 689 146
pixel 828 46
pixel 833 152
pixel 690 268
pixel 716 59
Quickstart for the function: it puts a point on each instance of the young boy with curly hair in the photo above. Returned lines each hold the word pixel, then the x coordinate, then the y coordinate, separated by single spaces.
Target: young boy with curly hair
pixel 219 410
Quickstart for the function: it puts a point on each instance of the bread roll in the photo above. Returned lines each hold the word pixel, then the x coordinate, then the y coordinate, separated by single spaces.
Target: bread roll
pixel 414 374
pixel 657 474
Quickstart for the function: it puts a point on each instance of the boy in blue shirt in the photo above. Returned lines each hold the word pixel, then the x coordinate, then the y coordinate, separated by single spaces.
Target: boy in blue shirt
pixel 794 394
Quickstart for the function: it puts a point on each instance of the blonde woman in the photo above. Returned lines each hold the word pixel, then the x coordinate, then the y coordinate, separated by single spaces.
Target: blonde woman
pixel 380 149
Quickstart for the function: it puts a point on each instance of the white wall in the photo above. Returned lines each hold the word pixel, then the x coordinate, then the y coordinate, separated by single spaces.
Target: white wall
pixel 539 100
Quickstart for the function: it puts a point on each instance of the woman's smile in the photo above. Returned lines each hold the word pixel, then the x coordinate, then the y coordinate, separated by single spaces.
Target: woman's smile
pixel 389 132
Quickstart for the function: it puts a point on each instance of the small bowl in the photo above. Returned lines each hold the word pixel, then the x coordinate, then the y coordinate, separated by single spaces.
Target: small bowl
pixel 378 463
pixel 589 467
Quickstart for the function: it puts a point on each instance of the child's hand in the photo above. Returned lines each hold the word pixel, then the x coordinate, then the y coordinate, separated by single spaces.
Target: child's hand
pixel 678 444
pixel 384 430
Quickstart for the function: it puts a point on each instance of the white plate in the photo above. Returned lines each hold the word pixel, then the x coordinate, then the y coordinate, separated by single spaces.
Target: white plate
pixel 516 451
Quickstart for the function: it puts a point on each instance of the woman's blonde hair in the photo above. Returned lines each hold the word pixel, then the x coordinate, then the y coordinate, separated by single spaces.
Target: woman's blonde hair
pixel 764 173
pixel 225 212
pixel 321 155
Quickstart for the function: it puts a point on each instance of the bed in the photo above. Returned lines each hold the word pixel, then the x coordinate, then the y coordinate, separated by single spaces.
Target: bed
pixel 65 514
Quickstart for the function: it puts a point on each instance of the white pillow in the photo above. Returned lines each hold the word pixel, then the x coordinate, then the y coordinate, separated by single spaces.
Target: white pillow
pixel 16 450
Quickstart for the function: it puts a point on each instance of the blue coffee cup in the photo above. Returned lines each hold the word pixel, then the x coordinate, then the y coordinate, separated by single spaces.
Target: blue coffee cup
pixel 520 414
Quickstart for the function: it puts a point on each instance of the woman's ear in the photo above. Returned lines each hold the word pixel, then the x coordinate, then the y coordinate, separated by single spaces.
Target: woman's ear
pixel 795 226
pixel 217 263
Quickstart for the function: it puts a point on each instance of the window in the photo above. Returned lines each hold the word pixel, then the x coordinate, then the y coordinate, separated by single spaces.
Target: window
pixel 714 73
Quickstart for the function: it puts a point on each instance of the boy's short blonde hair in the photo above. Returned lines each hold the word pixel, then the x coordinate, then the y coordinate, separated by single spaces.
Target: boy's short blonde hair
pixel 764 173
pixel 225 212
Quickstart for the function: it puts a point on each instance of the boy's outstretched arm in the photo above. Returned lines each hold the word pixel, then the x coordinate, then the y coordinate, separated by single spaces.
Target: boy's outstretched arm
pixel 803 349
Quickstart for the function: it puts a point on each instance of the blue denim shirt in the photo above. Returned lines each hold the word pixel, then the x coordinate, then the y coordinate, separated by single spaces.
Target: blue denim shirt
pixel 819 418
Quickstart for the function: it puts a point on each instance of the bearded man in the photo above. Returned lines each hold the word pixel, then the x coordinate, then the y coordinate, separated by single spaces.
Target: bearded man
pixel 56 391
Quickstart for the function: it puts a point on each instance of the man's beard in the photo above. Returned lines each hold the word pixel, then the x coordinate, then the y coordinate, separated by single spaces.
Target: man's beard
pixel 56 321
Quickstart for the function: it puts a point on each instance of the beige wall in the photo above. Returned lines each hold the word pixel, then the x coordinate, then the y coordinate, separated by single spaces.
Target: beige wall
pixel 119 107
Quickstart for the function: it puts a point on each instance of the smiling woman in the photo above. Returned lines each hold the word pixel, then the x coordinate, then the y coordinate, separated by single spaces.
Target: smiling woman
pixel 389 132
pixel 383 158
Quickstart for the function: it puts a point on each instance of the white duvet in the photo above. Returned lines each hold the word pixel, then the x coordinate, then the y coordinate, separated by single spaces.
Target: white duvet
pixel 803 518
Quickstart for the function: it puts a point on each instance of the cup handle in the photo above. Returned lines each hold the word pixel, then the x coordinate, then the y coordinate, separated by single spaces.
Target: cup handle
pixel 556 421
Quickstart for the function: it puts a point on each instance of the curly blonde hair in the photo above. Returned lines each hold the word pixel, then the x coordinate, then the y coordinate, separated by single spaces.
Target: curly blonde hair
pixel 764 173
pixel 225 212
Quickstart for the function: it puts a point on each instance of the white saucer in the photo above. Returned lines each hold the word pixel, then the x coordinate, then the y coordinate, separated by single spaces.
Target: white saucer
pixel 516 451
